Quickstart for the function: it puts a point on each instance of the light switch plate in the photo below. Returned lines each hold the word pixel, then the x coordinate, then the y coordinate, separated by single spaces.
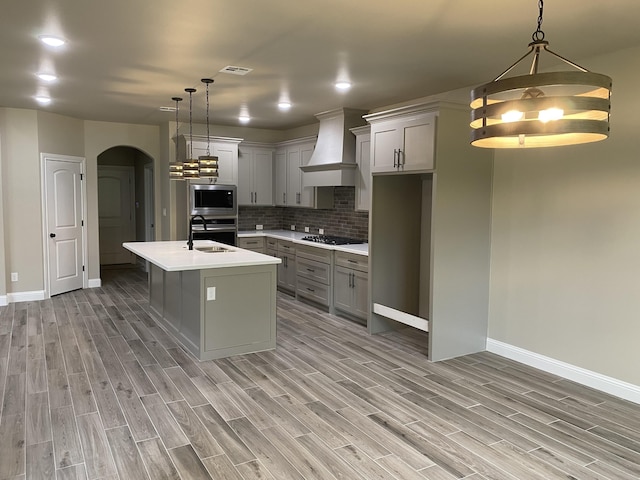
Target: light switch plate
pixel 258 227
pixel 306 229
pixel 321 231
pixel 293 227
pixel 211 293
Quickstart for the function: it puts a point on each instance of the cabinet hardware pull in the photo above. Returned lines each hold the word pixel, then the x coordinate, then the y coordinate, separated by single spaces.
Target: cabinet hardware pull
pixel 284 197
pixel 310 270
pixel 352 261
pixel 400 158
pixel 310 289
pixel 395 156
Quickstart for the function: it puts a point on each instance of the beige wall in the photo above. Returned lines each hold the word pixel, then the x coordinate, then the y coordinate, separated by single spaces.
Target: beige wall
pixel 565 252
pixel 21 200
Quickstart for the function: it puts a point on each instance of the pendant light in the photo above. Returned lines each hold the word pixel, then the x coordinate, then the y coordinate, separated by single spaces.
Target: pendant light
pixel 175 167
pixel 190 168
pixel 541 109
pixel 208 163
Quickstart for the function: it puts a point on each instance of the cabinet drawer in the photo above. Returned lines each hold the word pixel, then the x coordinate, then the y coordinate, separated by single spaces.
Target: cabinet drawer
pixel 352 260
pixel 313 291
pixel 314 253
pixel 251 243
pixel 272 243
pixel 271 251
pixel 313 270
pixel 285 246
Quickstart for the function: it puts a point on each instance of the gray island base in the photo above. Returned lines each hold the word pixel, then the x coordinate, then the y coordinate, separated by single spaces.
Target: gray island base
pixel 214 304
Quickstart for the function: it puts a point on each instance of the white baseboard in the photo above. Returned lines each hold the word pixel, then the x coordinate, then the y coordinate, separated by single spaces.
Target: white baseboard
pixel 3 300
pixel 94 283
pixel 26 296
pixel 610 385
pixel 402 317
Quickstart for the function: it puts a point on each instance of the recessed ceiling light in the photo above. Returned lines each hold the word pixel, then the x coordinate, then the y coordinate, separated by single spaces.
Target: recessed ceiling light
pixel 42 99
pixel 244 118
pixel 284 105
pixel 343 85
pixel 52 40
pixel 167 109
pixel 47 77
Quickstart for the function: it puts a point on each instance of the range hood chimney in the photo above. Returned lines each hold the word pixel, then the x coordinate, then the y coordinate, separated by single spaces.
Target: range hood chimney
pixel 333 162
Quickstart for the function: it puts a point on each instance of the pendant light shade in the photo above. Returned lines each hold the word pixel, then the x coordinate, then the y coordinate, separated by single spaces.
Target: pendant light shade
pixel 541 109
pixel 208 164
pixel 190 167
pixel 175 167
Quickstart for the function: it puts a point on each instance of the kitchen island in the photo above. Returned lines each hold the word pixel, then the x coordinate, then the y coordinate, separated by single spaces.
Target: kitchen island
pixel 216 300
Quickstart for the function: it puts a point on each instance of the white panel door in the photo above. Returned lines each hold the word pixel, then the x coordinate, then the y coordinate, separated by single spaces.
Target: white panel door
pixel 64 225
pixel 116 213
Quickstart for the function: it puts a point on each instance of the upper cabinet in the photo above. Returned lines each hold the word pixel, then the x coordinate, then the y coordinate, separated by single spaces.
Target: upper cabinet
pixel 255 174
pixel 363 174
pixel 402 141
pixel 226 149
pixel 289 191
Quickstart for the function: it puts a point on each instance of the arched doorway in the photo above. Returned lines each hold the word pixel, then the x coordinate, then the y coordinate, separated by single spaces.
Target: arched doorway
pixel 125 202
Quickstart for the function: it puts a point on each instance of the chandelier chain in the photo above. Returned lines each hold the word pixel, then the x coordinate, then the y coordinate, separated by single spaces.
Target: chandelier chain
pixel 208 141
pixel 538 35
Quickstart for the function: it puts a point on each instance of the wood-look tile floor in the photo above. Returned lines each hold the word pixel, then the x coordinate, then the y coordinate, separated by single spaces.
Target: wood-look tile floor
pixel 93 389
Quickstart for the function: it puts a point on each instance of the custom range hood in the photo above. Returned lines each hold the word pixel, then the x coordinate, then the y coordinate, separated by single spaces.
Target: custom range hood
pixel 333 162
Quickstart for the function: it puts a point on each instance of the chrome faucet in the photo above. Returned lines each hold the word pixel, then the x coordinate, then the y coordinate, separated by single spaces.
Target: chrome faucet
pixel 204 224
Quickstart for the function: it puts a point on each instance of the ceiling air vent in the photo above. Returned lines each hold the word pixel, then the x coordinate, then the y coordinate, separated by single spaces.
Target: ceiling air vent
pixel 236 70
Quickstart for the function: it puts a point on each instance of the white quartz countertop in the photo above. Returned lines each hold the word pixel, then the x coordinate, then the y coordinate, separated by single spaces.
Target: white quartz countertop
pixel 175 256
pixel 296 237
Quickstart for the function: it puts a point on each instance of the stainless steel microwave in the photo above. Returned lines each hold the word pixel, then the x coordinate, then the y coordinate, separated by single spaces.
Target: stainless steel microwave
pixel 213 200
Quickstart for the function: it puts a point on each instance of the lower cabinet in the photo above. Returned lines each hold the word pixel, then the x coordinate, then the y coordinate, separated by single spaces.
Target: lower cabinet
pixel 286 251
pixel 351 285
pixel 313 268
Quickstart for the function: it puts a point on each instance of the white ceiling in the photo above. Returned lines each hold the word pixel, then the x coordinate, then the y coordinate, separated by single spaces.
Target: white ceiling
pixel 126 58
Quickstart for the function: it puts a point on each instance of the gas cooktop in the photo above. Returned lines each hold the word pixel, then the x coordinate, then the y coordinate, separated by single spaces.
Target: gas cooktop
pixel 331 239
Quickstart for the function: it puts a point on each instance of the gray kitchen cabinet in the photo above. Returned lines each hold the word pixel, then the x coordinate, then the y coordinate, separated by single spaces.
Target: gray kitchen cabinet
pixel 255 244
pixel 363 174
pixel 287 269
pixel 314 270
pixel 255 174
pixel 402 141
pixel 429 234
pixel 351 285
pixel 226 149
pixel 289 191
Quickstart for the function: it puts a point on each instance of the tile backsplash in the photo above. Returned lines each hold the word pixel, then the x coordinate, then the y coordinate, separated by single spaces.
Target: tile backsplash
pixel 342 220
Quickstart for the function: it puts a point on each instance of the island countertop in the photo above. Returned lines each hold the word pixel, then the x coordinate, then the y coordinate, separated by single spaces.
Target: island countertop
pixel 174 256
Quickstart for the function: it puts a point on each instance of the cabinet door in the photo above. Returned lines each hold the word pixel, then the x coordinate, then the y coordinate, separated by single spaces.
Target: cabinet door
pixel 342 291
pixel 294 177
pixel 280 193
pixel 307 194
pixel 262 178
pixel 360 292
pixel 363 175
pixel 227 163
pixel 245 177
pixel 385 140
pixel 418 144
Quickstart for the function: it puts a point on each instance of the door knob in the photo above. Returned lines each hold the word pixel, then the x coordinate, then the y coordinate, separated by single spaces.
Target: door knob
pixel 52 235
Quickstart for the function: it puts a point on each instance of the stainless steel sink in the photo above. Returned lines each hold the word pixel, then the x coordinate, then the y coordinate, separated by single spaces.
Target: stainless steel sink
pixel 212 249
